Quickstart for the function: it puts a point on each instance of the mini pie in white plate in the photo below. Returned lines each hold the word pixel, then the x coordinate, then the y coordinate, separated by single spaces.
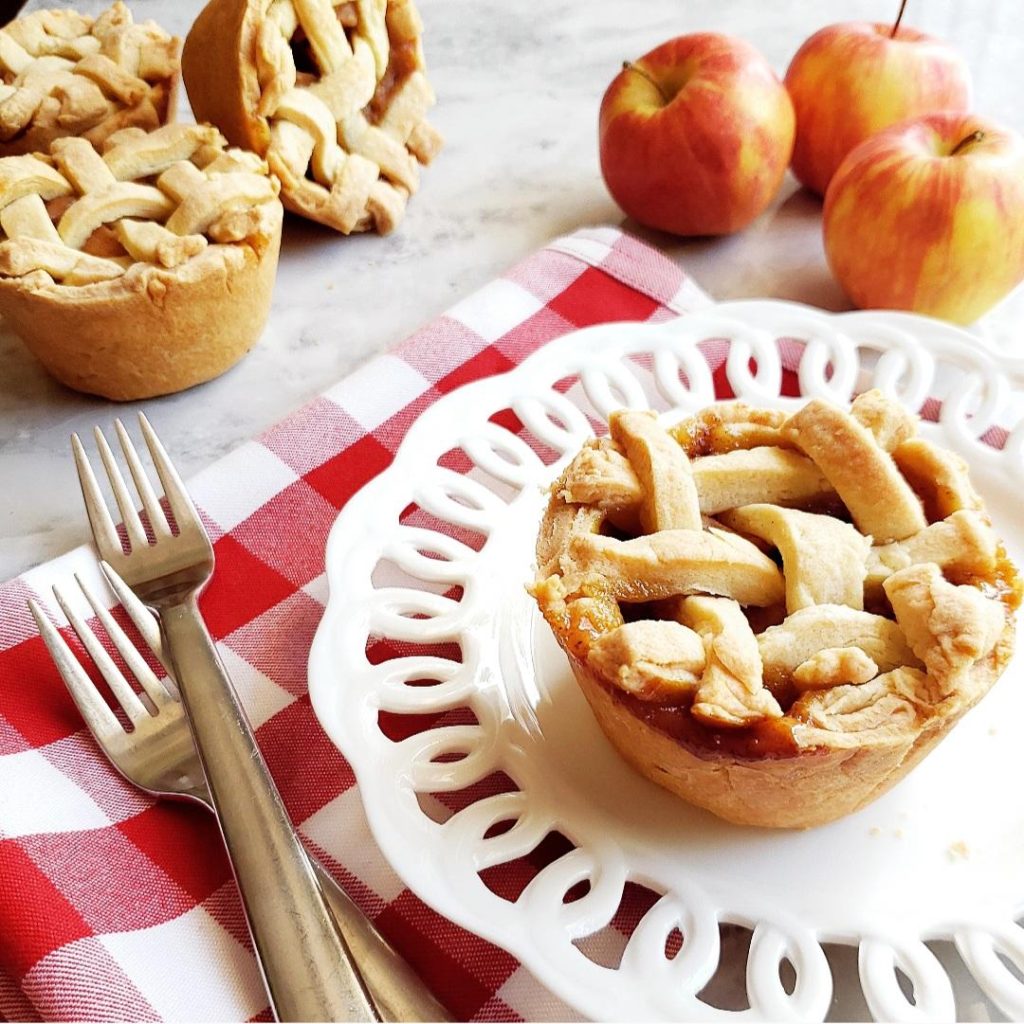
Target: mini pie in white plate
pixel 141 267
pixel 775 617
pixel 66 74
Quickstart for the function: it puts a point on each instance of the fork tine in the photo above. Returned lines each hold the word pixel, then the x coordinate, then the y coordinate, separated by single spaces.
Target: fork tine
pixel 150 502
pixel 144 620
pixel 103 530
pixel 174 490
pixel 132 523
pixel 133 659
pixel 92 707
pixel 123 693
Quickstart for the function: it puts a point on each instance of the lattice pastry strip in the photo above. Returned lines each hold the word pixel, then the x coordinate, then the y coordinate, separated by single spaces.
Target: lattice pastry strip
pixel 731 691
pixel 657 660
pixel 823 559
pixel 340 112
pixel 601 475
pixel 674 562
pixel 882 503
pixel 147 242
pixel 41 249
pixel 948 626
pixel 835 666
pixel 64 74
pixel 963 546
pixel 668 494
pixel 862 716
pixel 806 633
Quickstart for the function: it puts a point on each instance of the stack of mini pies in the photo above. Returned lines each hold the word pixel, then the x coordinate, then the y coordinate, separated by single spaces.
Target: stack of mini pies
pixel 134 266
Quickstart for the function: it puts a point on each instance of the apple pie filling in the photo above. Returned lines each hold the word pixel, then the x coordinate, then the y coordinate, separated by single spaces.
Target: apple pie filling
pixel 764 584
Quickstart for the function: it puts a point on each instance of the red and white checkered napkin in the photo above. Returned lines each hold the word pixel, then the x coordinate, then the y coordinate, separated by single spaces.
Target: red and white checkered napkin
pixel 114 906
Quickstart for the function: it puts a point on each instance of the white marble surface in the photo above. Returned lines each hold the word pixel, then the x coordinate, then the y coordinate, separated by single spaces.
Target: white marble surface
pixel 518 87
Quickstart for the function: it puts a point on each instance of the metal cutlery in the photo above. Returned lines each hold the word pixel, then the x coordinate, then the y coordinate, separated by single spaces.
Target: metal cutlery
pixel 306 963
pixel 158 756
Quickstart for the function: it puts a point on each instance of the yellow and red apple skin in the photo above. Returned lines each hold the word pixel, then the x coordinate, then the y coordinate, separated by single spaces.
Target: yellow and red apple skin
pixel 851 80
pixel 909 224
pixel 710 158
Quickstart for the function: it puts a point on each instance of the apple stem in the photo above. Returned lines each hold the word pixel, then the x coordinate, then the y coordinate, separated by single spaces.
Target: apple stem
pixel 630 66
pixel 967 141
pixel 899 18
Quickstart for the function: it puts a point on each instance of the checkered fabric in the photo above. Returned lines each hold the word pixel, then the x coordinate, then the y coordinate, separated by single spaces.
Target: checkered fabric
pixel 114 906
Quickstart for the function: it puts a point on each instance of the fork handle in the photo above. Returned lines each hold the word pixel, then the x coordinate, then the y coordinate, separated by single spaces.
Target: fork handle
pixel 397 991
pixel 306 963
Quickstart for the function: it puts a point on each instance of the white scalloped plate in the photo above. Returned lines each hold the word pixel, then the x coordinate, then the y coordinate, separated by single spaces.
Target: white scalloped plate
pixel 939 857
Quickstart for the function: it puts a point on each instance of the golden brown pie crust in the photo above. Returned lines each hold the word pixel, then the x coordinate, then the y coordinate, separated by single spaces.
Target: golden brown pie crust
pixel 190 300
pixel 151 333
pixel 764 777
pixel 862 695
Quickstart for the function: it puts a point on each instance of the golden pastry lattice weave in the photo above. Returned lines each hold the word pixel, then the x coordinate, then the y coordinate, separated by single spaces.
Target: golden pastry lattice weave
pixel 80 216
pixel 751 565
pixel 66 74
pixel 345 94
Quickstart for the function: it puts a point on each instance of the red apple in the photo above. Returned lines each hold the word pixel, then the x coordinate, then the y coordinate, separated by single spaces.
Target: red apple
pixel 851 80
pixel 696 135
pixel 929 216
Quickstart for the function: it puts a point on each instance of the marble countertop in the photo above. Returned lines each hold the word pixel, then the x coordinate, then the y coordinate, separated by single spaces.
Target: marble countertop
pixel 518 91
pixel 517 102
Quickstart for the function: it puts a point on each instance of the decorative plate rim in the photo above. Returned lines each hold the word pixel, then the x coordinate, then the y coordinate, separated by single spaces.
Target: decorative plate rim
pixel 908 367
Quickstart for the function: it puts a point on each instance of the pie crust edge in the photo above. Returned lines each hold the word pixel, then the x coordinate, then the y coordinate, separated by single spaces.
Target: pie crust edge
pixel 809 787
pixel 155 332
pixel 222 88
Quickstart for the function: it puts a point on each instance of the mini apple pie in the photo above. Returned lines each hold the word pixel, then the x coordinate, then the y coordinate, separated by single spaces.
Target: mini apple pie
pixel 141 267
pixel 775 617
pixel 64 73
pixel 333 93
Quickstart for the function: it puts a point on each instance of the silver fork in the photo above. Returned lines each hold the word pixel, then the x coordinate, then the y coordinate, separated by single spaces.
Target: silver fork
pixel 158 756
pixel 306 963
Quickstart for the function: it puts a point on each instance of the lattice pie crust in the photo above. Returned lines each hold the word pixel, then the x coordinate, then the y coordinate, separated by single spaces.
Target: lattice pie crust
pixel 140 267
pixel 66 74
pixel 775 617
pixel 334 94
